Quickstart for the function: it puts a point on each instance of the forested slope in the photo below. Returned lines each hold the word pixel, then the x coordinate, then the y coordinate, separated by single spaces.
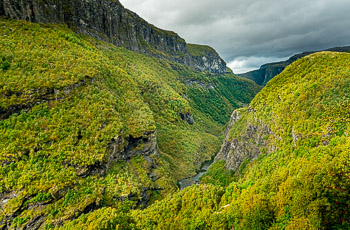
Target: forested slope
pixel 89 130
pixel 285 162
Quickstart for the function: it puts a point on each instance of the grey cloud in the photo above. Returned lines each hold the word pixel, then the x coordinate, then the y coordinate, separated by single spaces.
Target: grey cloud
pixel 249 30
pixel 245 64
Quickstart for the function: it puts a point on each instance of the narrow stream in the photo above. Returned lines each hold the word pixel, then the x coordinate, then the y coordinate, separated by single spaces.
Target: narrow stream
pixel 195 180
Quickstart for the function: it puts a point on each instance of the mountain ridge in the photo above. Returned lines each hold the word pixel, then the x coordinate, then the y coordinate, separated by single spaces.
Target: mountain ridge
pixel 96 135
pixel 108 20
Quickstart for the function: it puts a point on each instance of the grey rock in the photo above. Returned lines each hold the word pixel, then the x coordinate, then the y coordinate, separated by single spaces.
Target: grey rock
pixel 187 117
pixel 233 119
pixel 36 222
pixel 209 61
pixel 248 146
pixel 204 85
pixel 122 148
pixel 126 148
pixel 6 197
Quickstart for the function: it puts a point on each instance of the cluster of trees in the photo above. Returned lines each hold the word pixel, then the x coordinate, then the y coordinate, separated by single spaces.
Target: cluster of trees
pixel 218 96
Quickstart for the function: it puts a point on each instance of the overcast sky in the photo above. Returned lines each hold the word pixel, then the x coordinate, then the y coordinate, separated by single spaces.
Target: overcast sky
pixel 249 33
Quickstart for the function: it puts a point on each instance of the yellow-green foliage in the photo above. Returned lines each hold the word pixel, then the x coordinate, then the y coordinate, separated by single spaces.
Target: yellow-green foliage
pixel 218 175
pixel 191 208
pixel 64 98
pixel 305 183
pixel 104 218
pixel 199 50
pixel 222 95
pixel 84 94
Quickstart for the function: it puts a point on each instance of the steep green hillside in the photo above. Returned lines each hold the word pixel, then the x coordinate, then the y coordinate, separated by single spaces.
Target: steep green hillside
pixel 89 130
pixel 293 150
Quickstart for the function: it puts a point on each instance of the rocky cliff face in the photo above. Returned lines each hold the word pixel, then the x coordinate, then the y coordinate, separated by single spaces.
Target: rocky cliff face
pixel 108 20
pixel 268 71
pixel 248 145
pixel 205 58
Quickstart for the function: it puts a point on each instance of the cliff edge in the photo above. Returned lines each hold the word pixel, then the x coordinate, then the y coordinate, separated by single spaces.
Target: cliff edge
pixel 109 21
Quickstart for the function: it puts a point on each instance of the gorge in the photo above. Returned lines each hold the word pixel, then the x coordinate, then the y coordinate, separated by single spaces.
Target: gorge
pixel 103 116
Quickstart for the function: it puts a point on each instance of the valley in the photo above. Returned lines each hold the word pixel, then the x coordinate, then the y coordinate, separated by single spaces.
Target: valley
pixel 105 124
pixel 108 122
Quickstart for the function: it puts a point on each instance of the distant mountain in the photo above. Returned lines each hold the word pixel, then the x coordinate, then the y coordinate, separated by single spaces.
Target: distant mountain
pixel 270 70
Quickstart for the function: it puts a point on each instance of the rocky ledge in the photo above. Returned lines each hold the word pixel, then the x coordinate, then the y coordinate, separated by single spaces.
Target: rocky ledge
pixel 252 141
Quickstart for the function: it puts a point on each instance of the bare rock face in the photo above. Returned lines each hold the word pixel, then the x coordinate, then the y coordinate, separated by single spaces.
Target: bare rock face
pixel 248 146
pixel 108 20
pixel 210 61
pixel 126 148
pixel 187 117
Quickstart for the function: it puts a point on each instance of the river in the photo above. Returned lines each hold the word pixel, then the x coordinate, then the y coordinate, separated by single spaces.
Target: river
pixel 195 179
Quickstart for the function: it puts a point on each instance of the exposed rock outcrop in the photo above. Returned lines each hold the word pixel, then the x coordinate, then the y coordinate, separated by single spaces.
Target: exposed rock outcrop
pixel 123 149
pixel 252 142
pixel 37 96
pixel 205 58
pixel 187 117
pixel 126 148
pixel 109 21
pixel 202 84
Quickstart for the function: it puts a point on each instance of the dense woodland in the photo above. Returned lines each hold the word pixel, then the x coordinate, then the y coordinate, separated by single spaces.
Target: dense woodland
pixel 70 105
pixel 303 184
pixel 94 136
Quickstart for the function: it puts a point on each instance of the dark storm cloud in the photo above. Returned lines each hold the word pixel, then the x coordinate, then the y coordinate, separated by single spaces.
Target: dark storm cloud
pixel 248 33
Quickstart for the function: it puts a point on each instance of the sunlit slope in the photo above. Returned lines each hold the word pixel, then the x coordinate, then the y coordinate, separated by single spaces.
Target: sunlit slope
pixel 300 178
pixel 85 125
